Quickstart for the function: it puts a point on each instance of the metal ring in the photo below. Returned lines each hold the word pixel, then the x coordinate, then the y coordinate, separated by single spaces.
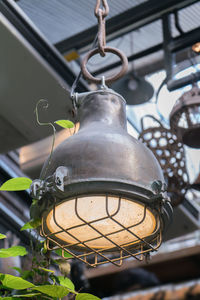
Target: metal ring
pixel 89 77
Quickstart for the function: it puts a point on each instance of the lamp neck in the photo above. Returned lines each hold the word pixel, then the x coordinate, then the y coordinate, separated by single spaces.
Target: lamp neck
pixel 105 107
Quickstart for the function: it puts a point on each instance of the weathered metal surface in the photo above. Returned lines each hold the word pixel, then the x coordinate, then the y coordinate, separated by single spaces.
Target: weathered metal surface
pixel 169 151
pixel 103 159
pixel 185 291
pixel 120 54
pixel 185 118
pixel 102 149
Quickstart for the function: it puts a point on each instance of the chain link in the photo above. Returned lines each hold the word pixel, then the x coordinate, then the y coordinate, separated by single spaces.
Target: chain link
pixel 101 14
pixel 105 11
pixel 101 49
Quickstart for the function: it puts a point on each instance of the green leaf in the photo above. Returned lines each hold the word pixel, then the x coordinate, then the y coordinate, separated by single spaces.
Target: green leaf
pixel 26 295
pixel 34 201
pixel 21 296
pixel 17 269
pixel 27 274
pixel 64 281
pixel 9 298
pixel 60 251
pixel 46 270
pixel 15 282
pixel 18 297
pixel 65 123
pixel 13 251
pixel 84 296
pixel 2 236
pixel 32 224
pixel 16 184
pixel 53 290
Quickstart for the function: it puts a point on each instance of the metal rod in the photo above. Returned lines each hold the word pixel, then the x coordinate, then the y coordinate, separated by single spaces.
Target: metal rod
pixel 125 22
pixel 179 83
pixel 16 16
pixel 167 38
pixel 176 44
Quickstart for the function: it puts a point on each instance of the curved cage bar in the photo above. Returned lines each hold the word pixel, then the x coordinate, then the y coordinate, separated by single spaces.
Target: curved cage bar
pixel 169 151
pixel 89 248
pixel 185 118
pixel 104 197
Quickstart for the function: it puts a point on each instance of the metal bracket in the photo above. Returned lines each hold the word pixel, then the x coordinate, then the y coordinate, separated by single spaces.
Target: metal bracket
pixel 51 184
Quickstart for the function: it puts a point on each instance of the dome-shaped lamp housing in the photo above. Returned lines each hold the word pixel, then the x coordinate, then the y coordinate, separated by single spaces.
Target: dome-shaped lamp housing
pixel 136 90
pixel 103 197
pixel 185 118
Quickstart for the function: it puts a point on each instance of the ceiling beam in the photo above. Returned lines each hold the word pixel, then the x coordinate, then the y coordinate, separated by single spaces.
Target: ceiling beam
pixel 23 24
pixel 125 22
pixel 176 44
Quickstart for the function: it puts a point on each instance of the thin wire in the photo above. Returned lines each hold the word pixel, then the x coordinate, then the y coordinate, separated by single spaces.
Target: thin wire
pixel 76 81
pixel 177 23
pixel 132 50
pixel 46 104
pixel 106 60
pixel 162 118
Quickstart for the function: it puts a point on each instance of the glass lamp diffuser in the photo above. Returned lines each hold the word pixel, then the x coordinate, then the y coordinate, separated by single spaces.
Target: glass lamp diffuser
pixel 102 199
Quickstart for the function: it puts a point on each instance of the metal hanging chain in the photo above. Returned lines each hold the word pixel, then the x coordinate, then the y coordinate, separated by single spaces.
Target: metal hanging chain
pixel 101 49
pixel 100 37
pixel 101 14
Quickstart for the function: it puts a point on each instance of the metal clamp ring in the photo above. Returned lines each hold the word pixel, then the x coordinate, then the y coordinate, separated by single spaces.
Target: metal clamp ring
pixel 89 77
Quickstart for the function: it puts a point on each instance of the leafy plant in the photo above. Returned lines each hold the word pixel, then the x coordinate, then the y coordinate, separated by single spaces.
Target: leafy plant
pixel 49 286
pixel 65 287
pixel 13 251
pixel 65 123
pixel 53 287
pixel 16 184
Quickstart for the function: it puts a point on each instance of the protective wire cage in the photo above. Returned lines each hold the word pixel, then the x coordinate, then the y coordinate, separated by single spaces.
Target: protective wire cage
pixel 84 248
pixel 169 151
pixel 185 118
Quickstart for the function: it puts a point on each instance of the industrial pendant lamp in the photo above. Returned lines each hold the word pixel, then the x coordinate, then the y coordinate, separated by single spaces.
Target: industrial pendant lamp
pixel 136 90
pixel 103 198
pixel 185 118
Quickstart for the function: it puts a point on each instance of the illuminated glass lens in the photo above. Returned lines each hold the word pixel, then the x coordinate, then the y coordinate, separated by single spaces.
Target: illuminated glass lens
pixel 98 212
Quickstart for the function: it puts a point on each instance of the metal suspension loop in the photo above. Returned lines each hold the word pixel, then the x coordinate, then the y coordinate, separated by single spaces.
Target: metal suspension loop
pixel 91 78
pixel 101 33
pixel 101 13
pixel 105 11
pixel 101 49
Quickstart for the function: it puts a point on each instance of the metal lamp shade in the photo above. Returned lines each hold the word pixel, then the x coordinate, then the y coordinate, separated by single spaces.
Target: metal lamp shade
pixel 104 196
pixel 136 90
pixel 185 118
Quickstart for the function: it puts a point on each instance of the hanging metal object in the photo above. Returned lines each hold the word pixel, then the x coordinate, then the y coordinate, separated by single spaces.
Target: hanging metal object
pixel 136 90
pixel 104 192
pixel 196 47
pixel 103 198
pixel 169 151
pixel 185 118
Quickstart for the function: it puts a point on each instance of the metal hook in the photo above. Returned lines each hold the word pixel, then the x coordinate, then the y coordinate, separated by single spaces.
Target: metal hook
pixel 103 84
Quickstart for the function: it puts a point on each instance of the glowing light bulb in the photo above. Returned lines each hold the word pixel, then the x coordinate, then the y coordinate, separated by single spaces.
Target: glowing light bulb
pixel 93 218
